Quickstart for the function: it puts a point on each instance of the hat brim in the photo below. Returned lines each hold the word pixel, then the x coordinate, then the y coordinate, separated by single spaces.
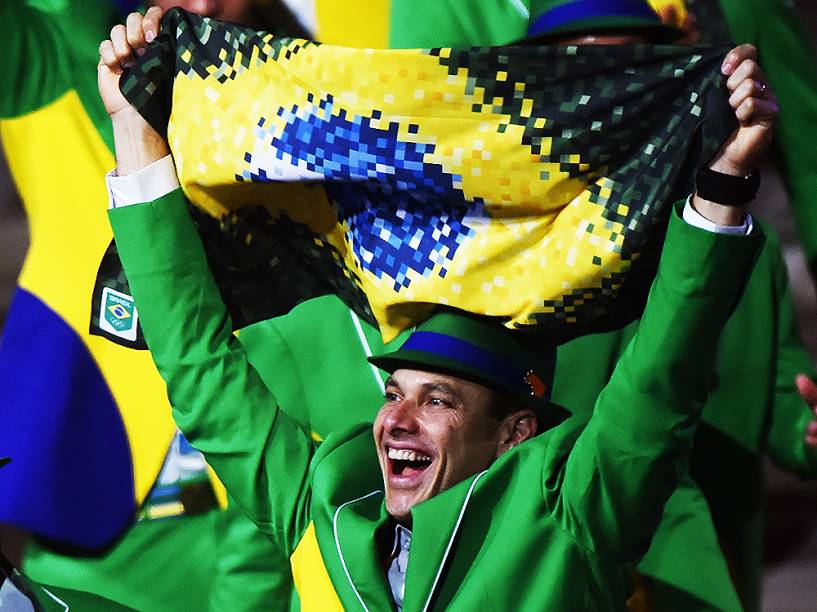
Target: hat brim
pixel 550 413
pixel 654 32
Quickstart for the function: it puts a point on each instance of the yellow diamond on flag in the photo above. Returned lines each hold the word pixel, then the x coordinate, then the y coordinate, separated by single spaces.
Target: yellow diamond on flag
pixel 119 312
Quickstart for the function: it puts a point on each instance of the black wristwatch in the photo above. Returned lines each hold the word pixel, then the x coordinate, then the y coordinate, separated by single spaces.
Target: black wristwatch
pixel 727 189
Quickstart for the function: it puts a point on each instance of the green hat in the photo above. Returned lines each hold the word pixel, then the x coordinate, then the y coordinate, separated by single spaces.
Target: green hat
pixel 485 352
pixel 554 19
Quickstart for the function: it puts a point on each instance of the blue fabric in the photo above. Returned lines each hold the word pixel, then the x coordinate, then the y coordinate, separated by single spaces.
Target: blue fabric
pixel 579 10
pixel 71 475
pixel 127 6
pixel 423 224
pixel 466 353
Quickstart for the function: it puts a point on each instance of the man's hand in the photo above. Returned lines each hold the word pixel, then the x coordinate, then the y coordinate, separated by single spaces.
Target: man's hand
pixel 756 110
pixel 119 51
pixel 137 143
pixel 808 391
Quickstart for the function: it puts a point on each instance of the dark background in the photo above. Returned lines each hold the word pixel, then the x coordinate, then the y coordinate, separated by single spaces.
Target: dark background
pixel 790 571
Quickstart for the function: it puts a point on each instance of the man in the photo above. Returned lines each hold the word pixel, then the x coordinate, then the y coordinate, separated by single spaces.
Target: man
pixel 183 552
pixel 754 405
pixel 300 495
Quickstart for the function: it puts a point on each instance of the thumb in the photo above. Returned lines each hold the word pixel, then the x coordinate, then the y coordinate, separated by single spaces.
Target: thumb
pixel 807 389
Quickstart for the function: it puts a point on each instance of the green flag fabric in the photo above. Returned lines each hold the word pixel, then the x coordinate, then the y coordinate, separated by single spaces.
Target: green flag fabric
pixel 525 182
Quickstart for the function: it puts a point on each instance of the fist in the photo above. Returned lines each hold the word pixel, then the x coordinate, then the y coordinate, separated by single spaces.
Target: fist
pixel 119 52
pixel 808 391
pixel 756 110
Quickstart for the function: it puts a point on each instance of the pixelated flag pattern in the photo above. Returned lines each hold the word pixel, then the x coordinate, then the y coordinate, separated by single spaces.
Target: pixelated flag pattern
pixel 527 182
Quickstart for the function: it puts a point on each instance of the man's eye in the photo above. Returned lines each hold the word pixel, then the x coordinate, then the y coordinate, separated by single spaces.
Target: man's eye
pixel 390 396
pixel 439 401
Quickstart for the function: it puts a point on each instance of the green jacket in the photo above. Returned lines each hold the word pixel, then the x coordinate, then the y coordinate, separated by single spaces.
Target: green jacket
pixel 588 499
pixel 753 409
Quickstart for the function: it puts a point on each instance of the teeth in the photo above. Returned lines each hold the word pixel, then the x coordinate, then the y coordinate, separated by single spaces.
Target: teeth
pixel 403 454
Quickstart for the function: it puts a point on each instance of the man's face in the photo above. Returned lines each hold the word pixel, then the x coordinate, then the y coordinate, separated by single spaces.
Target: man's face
pixel 433 432
pixel 236 11
pixel 605 39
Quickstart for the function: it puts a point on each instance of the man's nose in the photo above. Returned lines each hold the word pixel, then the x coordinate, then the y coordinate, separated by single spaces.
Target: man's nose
pixel 205 8
pixel 402 418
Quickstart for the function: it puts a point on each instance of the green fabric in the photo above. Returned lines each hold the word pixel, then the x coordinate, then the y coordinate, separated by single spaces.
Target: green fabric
pixel 684 557
pixel 46 54
pixel 787 55
pixel 55 599
pixel 215 561
pixel 163 564
pixel 457 23
pixel 602 489
pixel 251 574
pixel 320 348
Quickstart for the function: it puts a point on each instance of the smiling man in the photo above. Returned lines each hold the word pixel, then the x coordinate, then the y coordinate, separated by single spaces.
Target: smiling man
pixel 425 508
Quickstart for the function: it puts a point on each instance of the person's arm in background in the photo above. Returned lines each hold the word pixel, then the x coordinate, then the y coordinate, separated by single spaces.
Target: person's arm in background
pixel 787 53
pixel 791 442
pixel 220 403
pixel 34 70
pixel 625 464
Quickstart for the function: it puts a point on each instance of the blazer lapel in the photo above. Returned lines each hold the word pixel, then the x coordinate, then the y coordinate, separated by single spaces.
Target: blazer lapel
pixel 356 524
pixel 436 523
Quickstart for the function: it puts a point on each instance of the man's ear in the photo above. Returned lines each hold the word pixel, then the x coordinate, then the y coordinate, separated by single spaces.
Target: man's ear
pixel 516 428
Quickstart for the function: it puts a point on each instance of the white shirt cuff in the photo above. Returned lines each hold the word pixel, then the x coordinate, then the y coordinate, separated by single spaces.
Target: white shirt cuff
pixel 150 183
pixel 696 219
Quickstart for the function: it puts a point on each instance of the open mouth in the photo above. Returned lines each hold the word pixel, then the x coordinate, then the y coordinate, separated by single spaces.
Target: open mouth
pixel 407 464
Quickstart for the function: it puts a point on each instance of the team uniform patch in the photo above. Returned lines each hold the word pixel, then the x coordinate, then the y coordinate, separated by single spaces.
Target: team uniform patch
pixel 118 314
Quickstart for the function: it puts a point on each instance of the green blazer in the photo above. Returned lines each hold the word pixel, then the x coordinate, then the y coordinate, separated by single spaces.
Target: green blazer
pixel 556 522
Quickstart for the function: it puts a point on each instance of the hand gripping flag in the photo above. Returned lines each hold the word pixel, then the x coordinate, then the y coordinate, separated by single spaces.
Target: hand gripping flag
pixel 530 183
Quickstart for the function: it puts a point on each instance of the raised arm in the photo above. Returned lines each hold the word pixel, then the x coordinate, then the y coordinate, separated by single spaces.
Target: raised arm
pixel 630 457
pixel 36 68
pixel 219 401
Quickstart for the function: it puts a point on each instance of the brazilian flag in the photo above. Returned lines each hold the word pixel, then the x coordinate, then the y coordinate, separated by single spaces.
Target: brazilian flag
pixel 525 182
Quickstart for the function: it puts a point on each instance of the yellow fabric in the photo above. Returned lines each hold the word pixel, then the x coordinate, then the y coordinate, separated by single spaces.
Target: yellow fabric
pixel 311 579
pixel 355 23
pixel 554 245
pixel 680 7
pixel 65 205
